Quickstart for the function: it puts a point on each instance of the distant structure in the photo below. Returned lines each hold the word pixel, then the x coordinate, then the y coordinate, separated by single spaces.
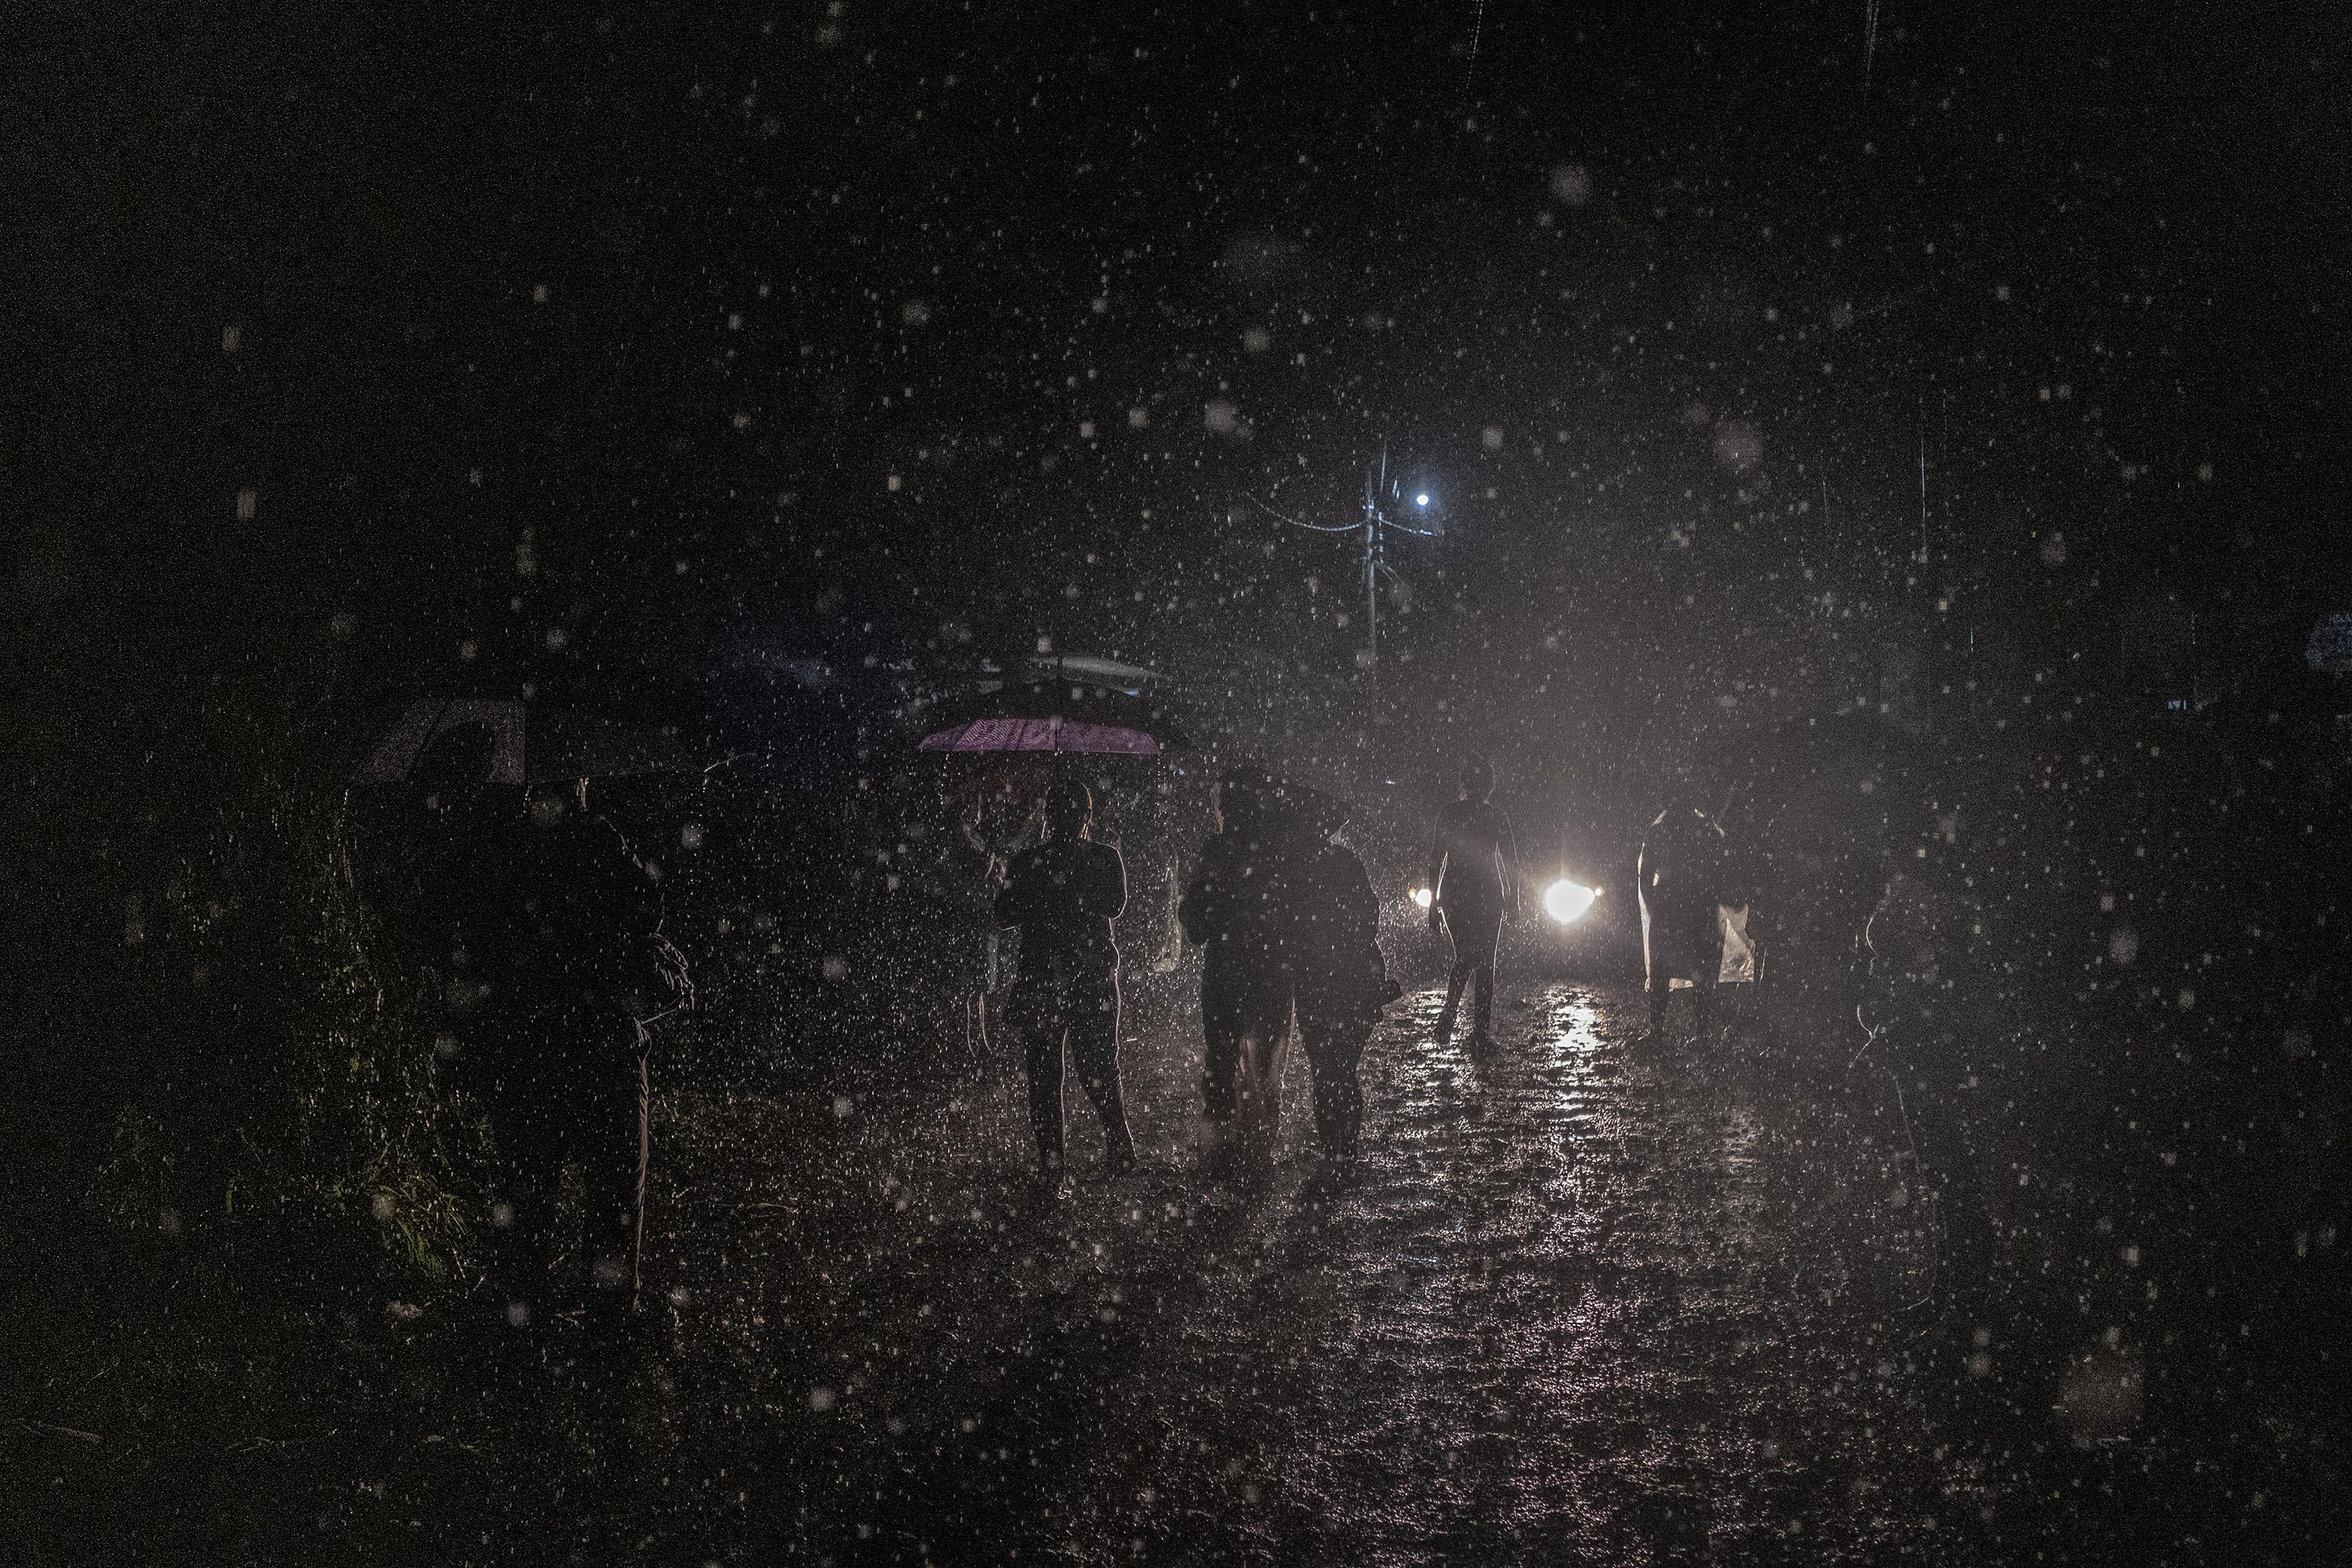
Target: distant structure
pixel 2330 647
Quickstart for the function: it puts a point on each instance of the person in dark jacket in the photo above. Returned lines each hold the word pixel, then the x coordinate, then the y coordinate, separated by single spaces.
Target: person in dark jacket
pixel 566 966
pixel 1680 876
pixel 1238 911
pixel 1064 894
pixel 1341 981
pixel 1473 876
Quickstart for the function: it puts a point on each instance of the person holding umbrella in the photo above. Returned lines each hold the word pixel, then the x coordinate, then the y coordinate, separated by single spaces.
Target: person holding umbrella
pixel 1064 894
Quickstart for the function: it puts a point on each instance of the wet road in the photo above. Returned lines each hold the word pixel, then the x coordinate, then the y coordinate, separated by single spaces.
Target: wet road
pixel 1589 1298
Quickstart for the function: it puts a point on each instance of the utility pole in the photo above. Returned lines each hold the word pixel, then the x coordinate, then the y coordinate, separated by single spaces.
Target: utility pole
pixel 1923 484
pixel 1373 480
pixel 1376 526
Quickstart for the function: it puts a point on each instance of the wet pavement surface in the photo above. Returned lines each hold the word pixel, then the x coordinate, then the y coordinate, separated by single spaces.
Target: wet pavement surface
pixel 1589 1297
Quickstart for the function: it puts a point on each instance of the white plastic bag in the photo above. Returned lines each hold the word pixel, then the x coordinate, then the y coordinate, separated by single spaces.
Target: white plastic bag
pixel 1738 952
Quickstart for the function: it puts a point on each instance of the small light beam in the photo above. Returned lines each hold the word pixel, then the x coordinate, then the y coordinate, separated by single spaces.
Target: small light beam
pixel 1423 897
pixel 1420 499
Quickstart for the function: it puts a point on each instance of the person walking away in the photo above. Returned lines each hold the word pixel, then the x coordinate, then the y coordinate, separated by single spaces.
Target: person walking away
pixel 1679 875
pixel 570 971
pixel 1473 876
pixel 1942 1014
pixel 1064 894
pixel 1341 979
pixel 1237 911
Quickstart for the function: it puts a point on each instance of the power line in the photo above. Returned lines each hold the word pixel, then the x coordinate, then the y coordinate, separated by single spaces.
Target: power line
pixel 1311 527
pixel 1869 43
pixel 1477 29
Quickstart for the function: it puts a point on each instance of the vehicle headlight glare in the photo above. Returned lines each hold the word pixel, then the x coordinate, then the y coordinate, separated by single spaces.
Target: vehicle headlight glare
pixel 1566 901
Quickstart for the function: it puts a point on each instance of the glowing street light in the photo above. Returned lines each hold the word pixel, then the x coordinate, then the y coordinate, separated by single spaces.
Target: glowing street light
pixel 1420 499
pixel 1422 897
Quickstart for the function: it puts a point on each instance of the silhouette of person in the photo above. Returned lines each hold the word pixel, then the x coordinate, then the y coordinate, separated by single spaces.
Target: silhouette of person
pixel 1475 882
pixel 1340 979
pixel 1238 911
pixel 568 968
pixel 1680 876
pixel 1064 894
pixel 1922 1005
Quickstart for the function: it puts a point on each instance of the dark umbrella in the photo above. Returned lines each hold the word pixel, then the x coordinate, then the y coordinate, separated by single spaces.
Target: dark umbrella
pixel 531 743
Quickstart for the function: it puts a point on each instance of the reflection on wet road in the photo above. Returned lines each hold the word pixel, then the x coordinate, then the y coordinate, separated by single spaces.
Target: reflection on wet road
pixel 1588 1299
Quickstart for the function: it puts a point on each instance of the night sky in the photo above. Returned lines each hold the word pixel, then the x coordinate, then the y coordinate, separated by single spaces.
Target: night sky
pixel 681 332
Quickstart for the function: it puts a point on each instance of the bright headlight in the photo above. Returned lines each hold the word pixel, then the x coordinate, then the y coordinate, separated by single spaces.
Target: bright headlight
pixel 1422 897
pixel 1566 901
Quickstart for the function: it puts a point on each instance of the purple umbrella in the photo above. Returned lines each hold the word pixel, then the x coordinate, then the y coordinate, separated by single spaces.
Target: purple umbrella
pixel 1050 734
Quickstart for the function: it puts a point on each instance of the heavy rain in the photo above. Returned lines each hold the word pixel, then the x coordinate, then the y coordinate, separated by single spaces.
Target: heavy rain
pixel 1309 783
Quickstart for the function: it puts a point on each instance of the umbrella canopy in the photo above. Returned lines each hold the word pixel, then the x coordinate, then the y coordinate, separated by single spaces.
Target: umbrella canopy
pixel 1066 716
pixel 1055 734
pixel 531 744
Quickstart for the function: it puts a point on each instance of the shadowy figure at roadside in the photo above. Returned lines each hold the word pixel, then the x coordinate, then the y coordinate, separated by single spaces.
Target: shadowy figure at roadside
pixel 961 871
pixel 1925 1007
pixel 1473 874
pixel 546 934
pixel 1064 894
pixel 1680 874
pixel 575 968
pixel 1238 911
pixel 1340 977
pixel 1289 924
